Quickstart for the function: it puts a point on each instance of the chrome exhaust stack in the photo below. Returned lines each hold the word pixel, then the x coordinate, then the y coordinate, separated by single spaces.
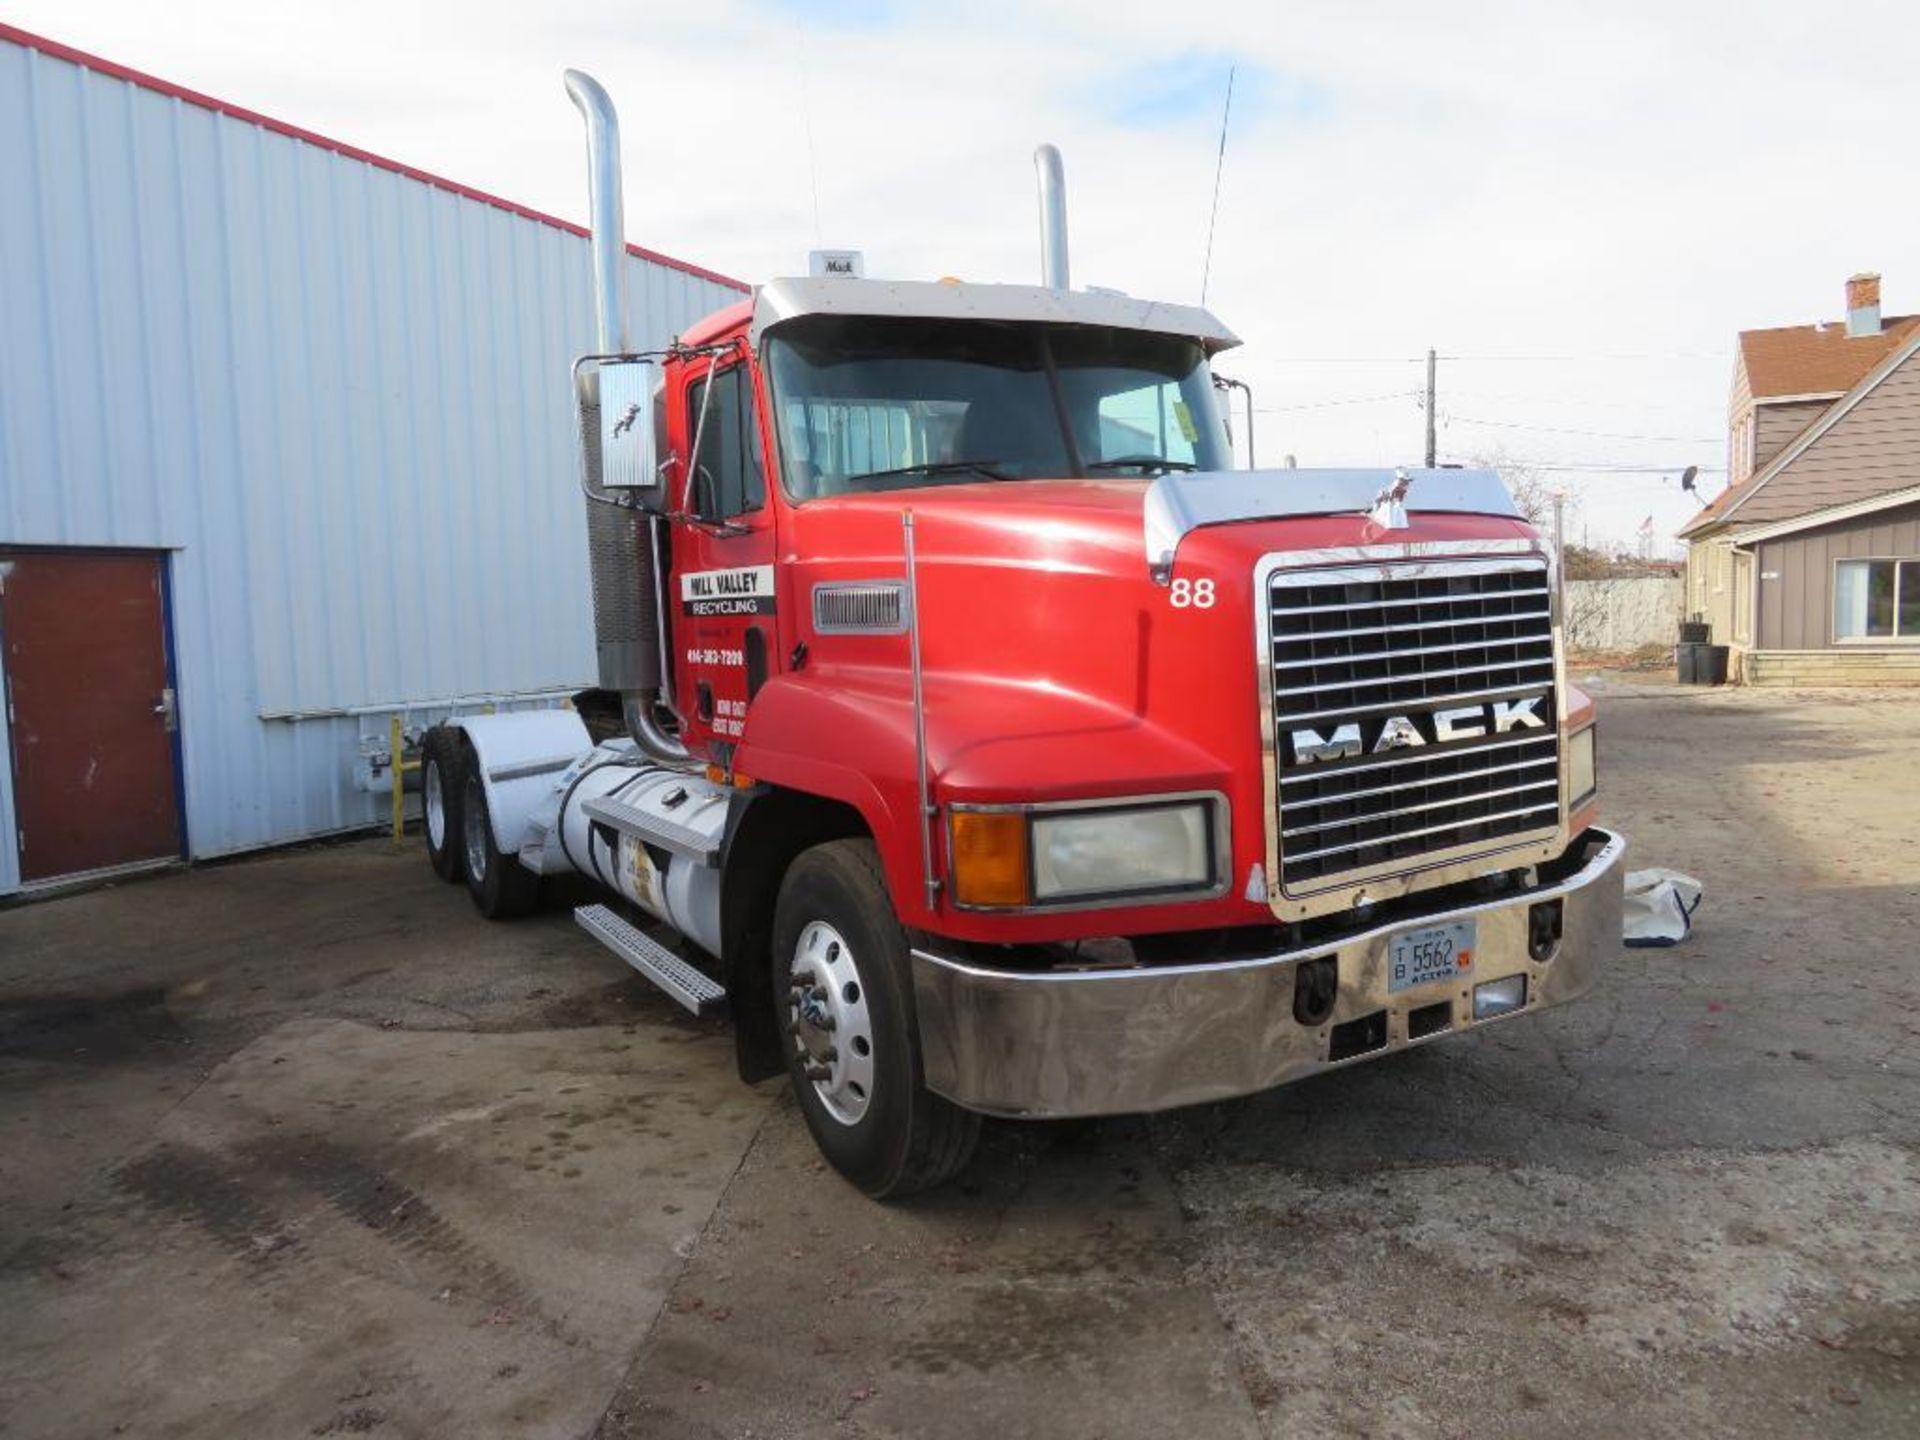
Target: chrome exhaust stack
pixel 606 213
pixel 1053 218
pixel 627 627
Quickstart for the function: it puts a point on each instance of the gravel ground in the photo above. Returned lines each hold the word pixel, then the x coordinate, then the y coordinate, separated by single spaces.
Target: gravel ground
pixel 300 1147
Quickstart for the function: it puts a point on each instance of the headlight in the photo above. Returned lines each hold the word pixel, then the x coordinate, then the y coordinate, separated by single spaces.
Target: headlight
pixel 1116 852
pixel 1019 857
pixel 1582 774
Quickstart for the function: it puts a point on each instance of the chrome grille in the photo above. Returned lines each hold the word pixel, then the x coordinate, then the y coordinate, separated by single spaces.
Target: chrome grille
pixel 1427 692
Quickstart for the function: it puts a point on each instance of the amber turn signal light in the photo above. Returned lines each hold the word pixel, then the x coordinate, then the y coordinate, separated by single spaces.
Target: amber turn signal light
pixel 990 857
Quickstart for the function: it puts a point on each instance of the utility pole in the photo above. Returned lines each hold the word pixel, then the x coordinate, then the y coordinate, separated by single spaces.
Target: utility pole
pixel 1431 358
pixel 1560 553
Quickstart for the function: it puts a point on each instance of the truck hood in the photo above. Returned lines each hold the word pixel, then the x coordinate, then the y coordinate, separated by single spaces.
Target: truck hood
pixel 1055 667
pixel 1068 525
pixel 1125 528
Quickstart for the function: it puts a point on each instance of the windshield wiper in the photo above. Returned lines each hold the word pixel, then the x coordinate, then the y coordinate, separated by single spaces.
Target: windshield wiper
pixel 1140 462
pixel 936 467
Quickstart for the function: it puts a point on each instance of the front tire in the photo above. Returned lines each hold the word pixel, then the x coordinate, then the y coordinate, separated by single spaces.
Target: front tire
pixel 843 997
pixel 441 781
pixel 500 885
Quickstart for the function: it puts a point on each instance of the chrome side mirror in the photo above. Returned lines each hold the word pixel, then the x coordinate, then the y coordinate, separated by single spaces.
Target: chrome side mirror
pixel 618 446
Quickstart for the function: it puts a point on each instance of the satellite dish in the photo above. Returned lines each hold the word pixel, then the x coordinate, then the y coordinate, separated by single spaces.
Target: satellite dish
pixel 1687 479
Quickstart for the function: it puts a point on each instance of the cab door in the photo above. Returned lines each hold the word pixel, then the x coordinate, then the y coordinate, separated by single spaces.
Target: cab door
pixel 726 631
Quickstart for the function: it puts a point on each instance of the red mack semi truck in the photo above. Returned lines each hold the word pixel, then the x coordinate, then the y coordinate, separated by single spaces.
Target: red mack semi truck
pixel 994 747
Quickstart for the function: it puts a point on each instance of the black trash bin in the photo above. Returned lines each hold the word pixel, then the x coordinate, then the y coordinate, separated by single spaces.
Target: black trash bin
pixel 1695 632
pixel 1686 658
pixel 1710 664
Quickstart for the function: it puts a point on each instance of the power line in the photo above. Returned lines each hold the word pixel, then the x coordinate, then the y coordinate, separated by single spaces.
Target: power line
pixel 1486 359
pixel 1343 400
pixel 1453 419
pixel 1605 468
pixel 1583 359
pixel 1580 402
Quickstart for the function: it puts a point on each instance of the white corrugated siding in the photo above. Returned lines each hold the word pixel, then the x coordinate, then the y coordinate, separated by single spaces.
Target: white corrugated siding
pixel 339 396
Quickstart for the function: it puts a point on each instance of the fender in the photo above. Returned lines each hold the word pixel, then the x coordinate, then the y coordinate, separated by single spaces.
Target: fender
pixel 520 756
pixel 851 730
pixel 850 744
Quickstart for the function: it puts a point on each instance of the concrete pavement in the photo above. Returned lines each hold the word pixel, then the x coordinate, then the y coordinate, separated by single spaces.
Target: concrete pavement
pixel 299 1146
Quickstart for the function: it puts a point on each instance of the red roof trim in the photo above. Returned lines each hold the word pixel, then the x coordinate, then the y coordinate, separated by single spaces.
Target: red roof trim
pixel 28 40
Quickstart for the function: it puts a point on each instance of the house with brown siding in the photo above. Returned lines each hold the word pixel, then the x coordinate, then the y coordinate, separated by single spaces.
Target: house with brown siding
pixel 1808 564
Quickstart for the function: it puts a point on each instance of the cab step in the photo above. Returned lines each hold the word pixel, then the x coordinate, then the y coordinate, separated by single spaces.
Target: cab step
pixel 694 989
pixel 701 845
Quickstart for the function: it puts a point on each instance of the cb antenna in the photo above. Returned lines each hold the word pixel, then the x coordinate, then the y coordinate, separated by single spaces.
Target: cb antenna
pixel 1219 165
pixel 806 121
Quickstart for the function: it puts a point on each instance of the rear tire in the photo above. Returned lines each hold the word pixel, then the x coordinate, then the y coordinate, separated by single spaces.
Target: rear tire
pixel 500 885
pixel 848 1032
pixel 441 781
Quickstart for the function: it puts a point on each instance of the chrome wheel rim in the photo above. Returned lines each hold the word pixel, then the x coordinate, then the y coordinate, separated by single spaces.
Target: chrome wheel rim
pixel 474 827
pixel 434 803
pixel 828 1022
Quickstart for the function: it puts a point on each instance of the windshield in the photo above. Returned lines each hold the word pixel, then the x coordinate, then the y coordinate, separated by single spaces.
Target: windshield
pixel 880 404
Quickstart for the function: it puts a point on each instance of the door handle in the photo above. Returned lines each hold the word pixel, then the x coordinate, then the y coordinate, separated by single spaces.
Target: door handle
pixel 168 710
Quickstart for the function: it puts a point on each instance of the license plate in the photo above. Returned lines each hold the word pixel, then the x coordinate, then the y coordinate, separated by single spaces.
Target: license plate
pixel 1421 957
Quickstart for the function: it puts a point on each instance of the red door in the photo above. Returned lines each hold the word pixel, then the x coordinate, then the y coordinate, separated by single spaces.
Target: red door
pixel 725 629
pixel 92 717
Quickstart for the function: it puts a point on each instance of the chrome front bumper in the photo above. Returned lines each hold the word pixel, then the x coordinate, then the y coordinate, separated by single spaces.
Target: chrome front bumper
pixel 1122 1041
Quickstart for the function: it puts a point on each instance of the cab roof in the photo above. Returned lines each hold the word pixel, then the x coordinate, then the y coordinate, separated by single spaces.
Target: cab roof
pixel 714 326
pixel 779 301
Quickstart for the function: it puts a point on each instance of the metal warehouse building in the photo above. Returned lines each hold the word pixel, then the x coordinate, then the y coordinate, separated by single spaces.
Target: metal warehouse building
pixel 286 448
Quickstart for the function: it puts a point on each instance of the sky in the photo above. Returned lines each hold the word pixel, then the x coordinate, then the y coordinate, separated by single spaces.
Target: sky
pixel 1577 206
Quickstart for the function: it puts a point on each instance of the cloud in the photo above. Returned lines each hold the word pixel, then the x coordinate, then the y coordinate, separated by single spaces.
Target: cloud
pixel 1191 88
pixel 838 14
pixel 1621 188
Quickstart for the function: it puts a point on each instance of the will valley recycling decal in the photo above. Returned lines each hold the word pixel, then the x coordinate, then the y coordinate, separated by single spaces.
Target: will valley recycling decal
pixel 745 591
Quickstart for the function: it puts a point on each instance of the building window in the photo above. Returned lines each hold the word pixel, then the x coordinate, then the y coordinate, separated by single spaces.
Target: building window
pixel 1876 600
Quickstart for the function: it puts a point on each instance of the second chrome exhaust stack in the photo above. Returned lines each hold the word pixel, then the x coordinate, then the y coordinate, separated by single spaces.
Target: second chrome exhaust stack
pixel 1053 218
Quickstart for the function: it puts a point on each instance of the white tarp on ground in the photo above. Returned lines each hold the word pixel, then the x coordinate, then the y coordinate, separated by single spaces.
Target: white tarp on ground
pixel 1659 907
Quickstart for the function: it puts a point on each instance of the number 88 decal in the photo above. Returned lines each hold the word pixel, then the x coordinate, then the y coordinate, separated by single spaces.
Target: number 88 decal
pixel 1195 593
